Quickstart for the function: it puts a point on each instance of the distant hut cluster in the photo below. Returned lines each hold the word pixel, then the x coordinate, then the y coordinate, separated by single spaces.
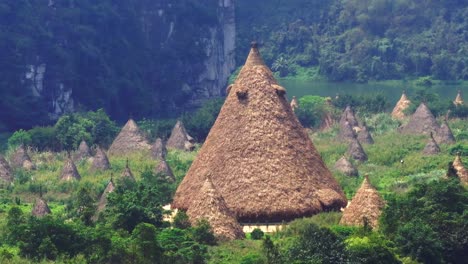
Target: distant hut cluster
pixel 180 139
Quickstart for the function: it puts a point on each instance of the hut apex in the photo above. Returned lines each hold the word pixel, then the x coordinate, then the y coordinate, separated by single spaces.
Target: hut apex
pixel 127 173
pixel 21 159
pixel 259 157
pixel 100 160
pixel 356 151
pixel 83 151
pixel 179 138
pixel 459 99
pixel 366 206
pixel 103 200
pixel 129 140
pixel 41 208
pixel 444 134
pixel 6 175
pixel 158 149
pixel 345 166
pixel 164 170
pixel 348 115
pixel 69 171
pixel 421 122
pixel 431 148
pixel 294 103
pixel 209 204
pixel 399 109
pixel 460 169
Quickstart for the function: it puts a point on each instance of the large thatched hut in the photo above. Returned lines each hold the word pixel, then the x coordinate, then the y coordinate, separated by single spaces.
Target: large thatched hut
pixel 356 151
pixel 6 175
pixel 83 151
pixel 163 169
pixel 421 122
pixel 103 199
pixel 366 206
pixel 179 138
pixel 209 204
pixel 69 171
pixel 444 134
pixel 345 166
pixel 431 147
pixel 349 116
pixel 259 157
pixel 399 109
pixel 21 159
pixel 129 140
pixel 460 169
pixel 158 149
pixel 458 99
pixel 364 136
pixel 100 160
pixel 40 208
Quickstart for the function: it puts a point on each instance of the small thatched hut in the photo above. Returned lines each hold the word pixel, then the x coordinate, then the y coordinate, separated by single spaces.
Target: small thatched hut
pixel 129 140
pixel 163 169
pixel 347 133
pixel 421 122
pixel 349 116
pixel 100 160
pixel 158 149
pixel 367 205
pixel 6 175
pixel 179 138
pixel 364 136
pixel 356 151
pixel 444 134
pixel 399 109
pixel 103 200
pixel 459 99
pixel 83 151
pixel 460 169
pixel 294 103
pixel 209 204
pixel 127 173
pixel 259 157
pixel 345 166
pixel 69 171
pixel 40 208
pixel 21 159
pixel 431 147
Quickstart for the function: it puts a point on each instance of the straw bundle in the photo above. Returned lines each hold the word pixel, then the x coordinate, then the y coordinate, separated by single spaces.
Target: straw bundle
pixel 100 160
pixel 460 169
pixel 69 171
pixel 459 99
pixel 179 138
pixel 421 122
pixel 431 147
pixel 399 109
pixel 158 149
pixel 294 103
pixel 344 166
pixel 356 151
pixel 6 176
pixel 40 208
pixel 129 140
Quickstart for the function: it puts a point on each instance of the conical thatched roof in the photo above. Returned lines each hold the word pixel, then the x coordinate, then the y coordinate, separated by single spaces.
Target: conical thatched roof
pixel 459 99
pixel 356 151
pixel 129 140
pixel 258 152
pixel 127 173
pixel 100 160
pixel 431 148
pixel 179 138
pixel 164 169
pixel 103 200
pixel 401 106
pixel 444 134
pixel 460 169
pixel 348 115
pixel 158 149
pixel 6 176
pixel 83 151
pixel 347 133
pixel 21 159
pixel 367 205
pixel 364 136
pixel 69 171
pixel 421 122
pixel 209 204
pixel 40 208
pixel 344 166
pixel 294 103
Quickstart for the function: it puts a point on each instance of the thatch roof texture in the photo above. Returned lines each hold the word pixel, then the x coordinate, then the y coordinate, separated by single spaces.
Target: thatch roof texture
pixel 163 168
pixel 179 138
pixel 348 115
pixel 103 200
pixel 444 134
pixel 21 159
pixel 459 99
pixel 460 169
pixel 347 133
pixel 399 109
pixel 127 173
pixel 356 151
pixel 83 151
pixel 6 175
pixel 40 208
pixel 345 166
pixel 259 157
pixel 421 122
pixel 364 136
pixel 367 205
pixel 158 149
pixel 431 147
pixel 294 103
pixel 69 171
pixel 129 140
pixel 100 160
pixel 209 204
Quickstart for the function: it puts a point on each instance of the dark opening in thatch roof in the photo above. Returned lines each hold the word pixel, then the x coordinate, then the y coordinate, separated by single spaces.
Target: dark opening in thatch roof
pixel 421 122
pixel 431 147
pixel 83 151
pixel 209 204
pixel 399 109
pixel 158 149
pixel 100 160
pixel 179 138
pixel 103 200
pixel 364 136
pixel 366 205
pixel 6 175
pixel 21 159
pixel 460 169
pixel 127 173
pixel 40 208
pixel 444 134
pixel 259 157
pixel 356 151
pixel 348 115
pixel 69 171
pixel 344 166
pixel 129 140
pixel 459 99
pixel 164 170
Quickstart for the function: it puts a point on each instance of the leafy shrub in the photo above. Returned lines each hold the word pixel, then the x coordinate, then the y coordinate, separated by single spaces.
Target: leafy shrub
pixel 312 110
pixel 18 138
pixel 257 234
pixel 203 233
pixel 44 138
pixel 181 220
pixel 252 258
pixel 200 122
pixel 157 128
